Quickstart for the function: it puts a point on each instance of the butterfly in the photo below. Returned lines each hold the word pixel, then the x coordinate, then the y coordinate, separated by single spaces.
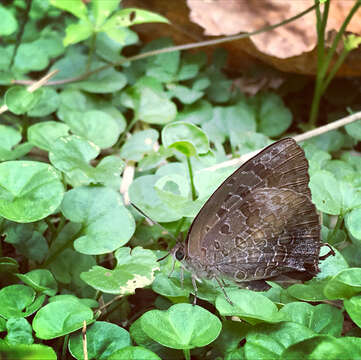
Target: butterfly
pixel 260 223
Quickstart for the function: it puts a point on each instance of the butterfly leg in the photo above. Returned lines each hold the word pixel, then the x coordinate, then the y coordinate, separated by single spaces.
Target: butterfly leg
pixel 221 284
pixel 331 252
pixel 194 283
pixel 182 276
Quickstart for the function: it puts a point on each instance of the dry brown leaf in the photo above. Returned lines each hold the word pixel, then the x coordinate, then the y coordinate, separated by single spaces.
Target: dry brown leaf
pixel 229 17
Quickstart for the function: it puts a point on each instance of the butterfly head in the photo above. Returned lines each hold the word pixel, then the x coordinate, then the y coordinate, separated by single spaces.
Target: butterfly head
pixel 178 251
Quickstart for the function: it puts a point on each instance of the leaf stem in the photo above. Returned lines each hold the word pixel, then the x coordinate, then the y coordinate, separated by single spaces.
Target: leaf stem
pixel 187 354
pixel 190 170
pixel 324 61
pixel 21 32
pixel 91 51
pixel 337 227
pixel 65 347
pixel 54 255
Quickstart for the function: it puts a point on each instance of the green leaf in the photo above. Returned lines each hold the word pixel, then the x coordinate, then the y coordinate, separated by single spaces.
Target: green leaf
pixel 351 42
pixel 329 142
pixel 75 7
pixel 354 129
pixel 41 280
pixel 198 113
pixel 47 103
pixel 274 117
pixel 67 268
pixel 174 191
pixel 268 341
pixel 8 23
pixel 322 319
pixel 331 265
pixel 76 33
pixel 323 347
pixel 149 101
pixel 87 302
pixel 325 192
pixel 345 284
pixel 133 353
pixel 72 154
pixel 8 265
pixel 353 308
pixel 186 138
pixel 59 318
pixel 182 326
pixel 251 142
pixel 312 291
pixel 103 82
pixel 18 301
pixel 103 339
pixel 164 285
pixel 76 101
pixel 28 352
pixel 95 126
pixel 134 270
pixel 32 56
pixel 353 223
pixel 27 239
pixel 220 87
pixel 102 9
pixel 44 134
pixel 143 194
pixel 29 190
pixel 250 306
pixel 9 137
pixel 106 223
pixel 139 144
pixel 342 170
pixel 130 16
pixel 19 100
pixel 184 93
pixel 141 338
pixel 71 65
pixel 19 332
pixel 229 339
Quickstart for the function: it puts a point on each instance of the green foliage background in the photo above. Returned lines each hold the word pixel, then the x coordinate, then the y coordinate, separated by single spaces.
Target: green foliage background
pixel 72 251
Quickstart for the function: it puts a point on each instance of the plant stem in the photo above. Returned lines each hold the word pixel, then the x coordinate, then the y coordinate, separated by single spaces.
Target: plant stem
pixel 323 62
pixel 336 228
pixel 334 69
pixel 190 170
pixel 51 227
pixel 91 51
pixel 124 134
pixel 21 32
pixel 60 226
pixel 187 354
pixel 179 226
pixel 54 255
pixel 65 347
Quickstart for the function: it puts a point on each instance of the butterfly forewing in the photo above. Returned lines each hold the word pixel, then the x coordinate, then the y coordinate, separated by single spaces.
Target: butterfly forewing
pixel 281 167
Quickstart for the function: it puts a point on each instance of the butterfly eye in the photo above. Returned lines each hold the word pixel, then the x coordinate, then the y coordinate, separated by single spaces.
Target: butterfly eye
pixel 179 254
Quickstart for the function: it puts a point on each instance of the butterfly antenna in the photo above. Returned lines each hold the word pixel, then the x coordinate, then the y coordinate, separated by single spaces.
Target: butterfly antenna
pixel 154 222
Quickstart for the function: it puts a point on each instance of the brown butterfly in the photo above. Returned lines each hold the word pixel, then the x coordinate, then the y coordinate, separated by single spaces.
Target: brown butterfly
pixel 260 223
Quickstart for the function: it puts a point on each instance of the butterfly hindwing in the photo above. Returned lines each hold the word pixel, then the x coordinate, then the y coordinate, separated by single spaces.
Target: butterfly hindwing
pixel 269 232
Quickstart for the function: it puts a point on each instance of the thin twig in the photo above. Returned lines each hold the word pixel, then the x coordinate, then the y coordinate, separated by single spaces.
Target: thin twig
pixel 34 87
pixel 85 347
pixel 127 179
pixel 301 137
pixel 174 48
